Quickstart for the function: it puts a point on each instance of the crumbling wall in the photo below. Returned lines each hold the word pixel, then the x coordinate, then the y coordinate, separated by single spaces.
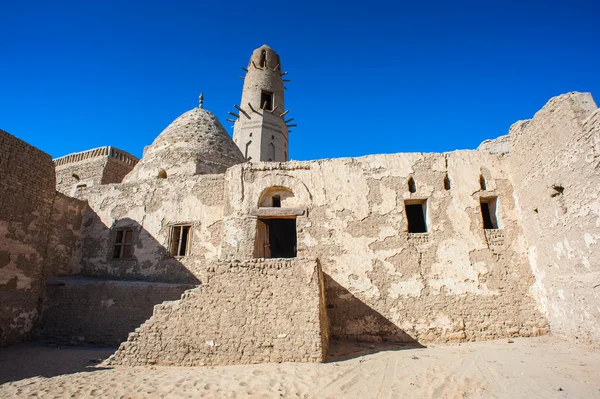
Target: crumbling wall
pixel 101 312
pixel 455 282
pixel 555 168
pixel 26 195
pixel 248 312
pixel 151 208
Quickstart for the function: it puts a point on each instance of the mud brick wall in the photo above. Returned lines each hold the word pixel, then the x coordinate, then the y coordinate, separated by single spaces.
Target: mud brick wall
pixel 555 167
pixel 101 312
pixel 26 196
pixel 252 311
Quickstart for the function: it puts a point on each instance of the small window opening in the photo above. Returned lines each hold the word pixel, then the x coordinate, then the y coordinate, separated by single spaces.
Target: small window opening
pixel 272 137
pixel 415 216
pixel 179 240
pixel 482 182
pixel 81 185
pixel 276 201
pixel 123 246
pixel 162 174
pixel 488 213
pixel 263 58
pixel 266 100
pixel 412 187
pixel 447 184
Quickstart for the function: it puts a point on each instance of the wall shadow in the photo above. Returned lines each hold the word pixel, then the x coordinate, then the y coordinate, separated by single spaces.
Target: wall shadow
pixel 356 329
pixel 111 297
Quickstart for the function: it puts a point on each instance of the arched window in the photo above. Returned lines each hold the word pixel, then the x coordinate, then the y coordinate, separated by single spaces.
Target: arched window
pixel 482 182
pixel 162 174
pixel 447 184
pixel 412 187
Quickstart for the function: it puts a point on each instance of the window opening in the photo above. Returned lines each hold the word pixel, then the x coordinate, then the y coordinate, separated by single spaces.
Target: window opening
pixel 412 187
pixel 162 174
pixel 179 240
pixel 447 185
pixel 488 213
pixel 123 247
pixel 275 238
pixel 276 201
pixel 482 182
pixel 415 216
pixel 266 100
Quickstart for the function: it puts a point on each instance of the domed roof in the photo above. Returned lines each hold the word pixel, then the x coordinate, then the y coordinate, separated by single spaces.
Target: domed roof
pixel 194 144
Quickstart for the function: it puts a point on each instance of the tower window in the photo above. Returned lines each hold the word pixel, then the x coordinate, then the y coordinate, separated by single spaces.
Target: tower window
pixel 123 247
pixel 266 100
pixel 447 185
pixel 488 213
pixel 416 216
pixel 179 240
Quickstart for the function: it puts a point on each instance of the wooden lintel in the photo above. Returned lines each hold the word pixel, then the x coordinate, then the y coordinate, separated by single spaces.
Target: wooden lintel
pixel 268 212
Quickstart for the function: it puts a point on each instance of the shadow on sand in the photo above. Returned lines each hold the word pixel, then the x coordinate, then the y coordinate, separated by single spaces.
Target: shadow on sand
pixel 356 329
pixel 34 359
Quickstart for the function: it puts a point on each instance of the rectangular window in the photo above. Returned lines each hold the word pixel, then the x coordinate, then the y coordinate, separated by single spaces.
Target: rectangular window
pixel 416 215
pixel 123 248
pixel 266 100
pixel 180 236
pixel 488 213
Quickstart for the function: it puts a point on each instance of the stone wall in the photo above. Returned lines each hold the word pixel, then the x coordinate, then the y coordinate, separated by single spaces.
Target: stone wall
pixel 455 282
pixel 80 310
pixel 150 208
pixel 555 167
pixel 249 312
pixel 26 195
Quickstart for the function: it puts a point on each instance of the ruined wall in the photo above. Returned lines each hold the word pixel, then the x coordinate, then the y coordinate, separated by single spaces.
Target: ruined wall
pixel 150 208
pixel 555 167
pixel 456 282
pixel 82 310
pixel 26 195
pixel 249 312
pixel 102 165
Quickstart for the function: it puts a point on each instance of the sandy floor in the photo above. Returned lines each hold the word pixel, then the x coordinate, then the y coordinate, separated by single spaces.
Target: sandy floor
pixel 528 368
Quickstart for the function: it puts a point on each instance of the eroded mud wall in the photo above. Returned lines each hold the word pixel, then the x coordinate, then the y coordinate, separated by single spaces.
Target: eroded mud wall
pixel 555 166
pixel 455 282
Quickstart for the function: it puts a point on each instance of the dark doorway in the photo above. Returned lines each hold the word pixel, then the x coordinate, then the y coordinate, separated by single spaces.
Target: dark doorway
pixel 488 213
pixel 275 238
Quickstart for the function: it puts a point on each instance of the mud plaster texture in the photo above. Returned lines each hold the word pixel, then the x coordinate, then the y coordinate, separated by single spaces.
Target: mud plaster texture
pixel 102 165
pixel 151 208
pixel 453 283
pixel 80 310
pixel 29 208
pixel 253 311
pixel 555 166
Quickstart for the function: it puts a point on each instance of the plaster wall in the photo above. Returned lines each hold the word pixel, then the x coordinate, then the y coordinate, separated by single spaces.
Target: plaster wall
pixel 555 167
pixel 249 311
pixel 151 207
pixel 456 282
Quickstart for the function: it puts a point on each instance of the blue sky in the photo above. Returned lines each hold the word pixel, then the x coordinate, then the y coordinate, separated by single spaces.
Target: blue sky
pixel 366 77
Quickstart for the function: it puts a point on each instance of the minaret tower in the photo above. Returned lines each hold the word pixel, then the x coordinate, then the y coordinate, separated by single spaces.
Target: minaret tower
pixel 260 130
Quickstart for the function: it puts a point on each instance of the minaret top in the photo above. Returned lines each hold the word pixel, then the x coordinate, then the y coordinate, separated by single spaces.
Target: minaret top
pixel 264 57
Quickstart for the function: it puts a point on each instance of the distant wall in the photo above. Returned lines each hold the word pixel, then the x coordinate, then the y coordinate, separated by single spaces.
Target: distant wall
pixel 151 208
pixel 26 195
pixel 102 165
pixel 555 167
pixel 101 312
pixel 248 312
pixel 456 282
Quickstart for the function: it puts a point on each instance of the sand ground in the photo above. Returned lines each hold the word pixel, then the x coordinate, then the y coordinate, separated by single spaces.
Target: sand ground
pixel 544 367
